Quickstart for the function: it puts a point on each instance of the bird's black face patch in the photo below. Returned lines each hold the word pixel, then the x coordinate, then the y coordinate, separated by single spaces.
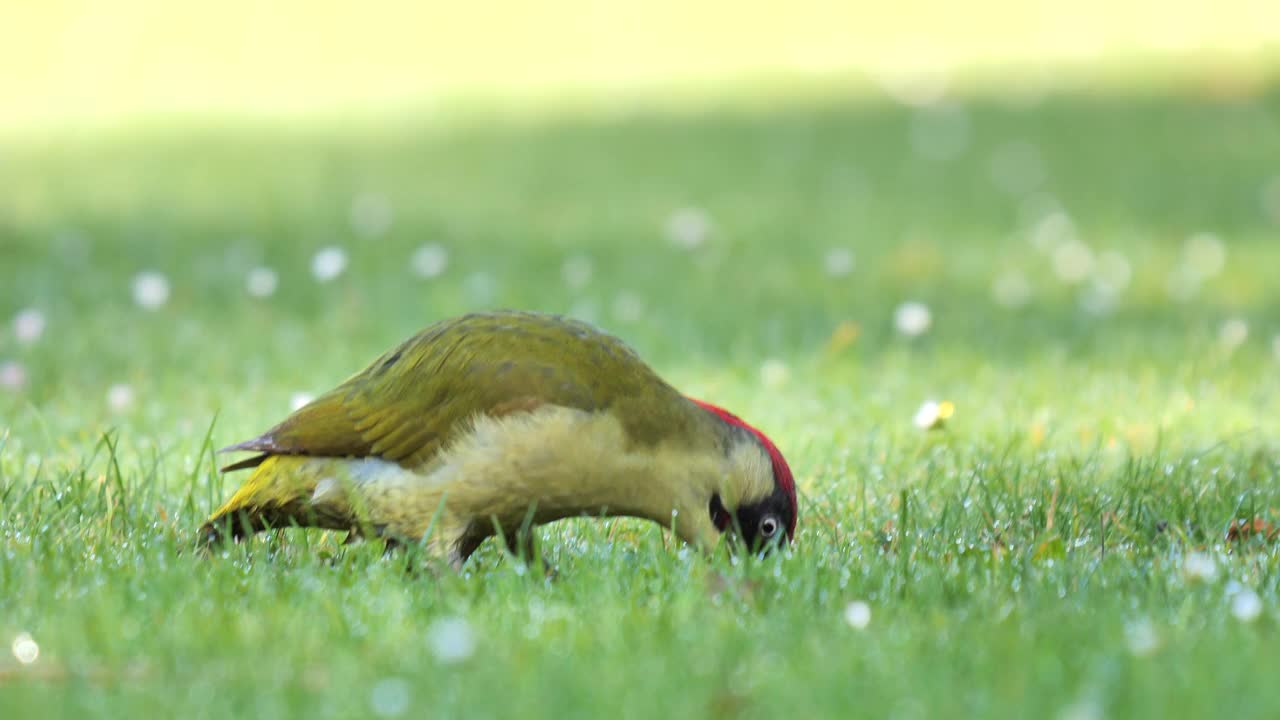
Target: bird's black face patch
pixel 763 525
pixel 719 515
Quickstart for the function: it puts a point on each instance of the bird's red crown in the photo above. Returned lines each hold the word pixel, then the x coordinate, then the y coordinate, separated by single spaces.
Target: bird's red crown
pixel 781 471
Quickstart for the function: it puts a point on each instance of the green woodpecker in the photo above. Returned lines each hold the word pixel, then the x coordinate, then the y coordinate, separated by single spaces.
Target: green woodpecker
pixel 496 422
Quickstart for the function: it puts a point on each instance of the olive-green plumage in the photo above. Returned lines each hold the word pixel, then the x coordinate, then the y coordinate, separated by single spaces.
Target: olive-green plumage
pixel 418 410
pixel 413 399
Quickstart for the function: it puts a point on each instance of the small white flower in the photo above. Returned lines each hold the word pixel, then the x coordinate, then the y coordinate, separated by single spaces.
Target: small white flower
pixel 912 318
pixel 300 399
pixel 774 373
pixel 480 287
pixel 1233 333
pixel 451 639
pixel 1113 270
pixel 13 376
pixel 838 262
pixel 940 132
pixel 1083 710
pixel 390 697
pixel 857 614
pixel 628 307
pixel 1011 289
pixel 150 290
pixel 1098 298
pixel 1200 567
pixel 1017 168
pixel 1141 638
pixel 1072 261
pixel 328 263
pixel 1269 198
pixel 577 271
pixel 28 325
pixel 120 397
pixel 1205 254
pixel 430 260
pixel 1053 229
pixel 25 649
pixel 915 87
pixel 689 227
pixel 1246 606
pixel 371 214
pixel 1183 283
pixel 261 282
pixel 933 414
pixel 587 311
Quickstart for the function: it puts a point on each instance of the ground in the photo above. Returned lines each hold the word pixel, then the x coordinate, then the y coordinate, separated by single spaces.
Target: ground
pixel 1090 277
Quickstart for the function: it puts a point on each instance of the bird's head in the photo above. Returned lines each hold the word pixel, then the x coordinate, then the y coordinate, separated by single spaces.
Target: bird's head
pixel 756 500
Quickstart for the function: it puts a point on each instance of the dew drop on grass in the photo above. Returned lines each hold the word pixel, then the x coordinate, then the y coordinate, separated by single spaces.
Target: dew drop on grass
pixel 261 282
pixel 451 639
pixel 28 325
pixel 430 260
pixel 25 648
pixel 328 263
pixel 150 290
pixel 390 697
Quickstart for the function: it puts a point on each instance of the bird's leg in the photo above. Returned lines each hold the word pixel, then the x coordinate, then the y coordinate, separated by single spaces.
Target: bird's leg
pixel 523 544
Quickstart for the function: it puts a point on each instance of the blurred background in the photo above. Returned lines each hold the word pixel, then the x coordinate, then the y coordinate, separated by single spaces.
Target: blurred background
pixel 225 207
pixel 76 62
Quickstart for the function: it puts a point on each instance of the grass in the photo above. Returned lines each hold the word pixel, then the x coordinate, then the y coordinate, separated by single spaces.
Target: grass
pixel 1042 556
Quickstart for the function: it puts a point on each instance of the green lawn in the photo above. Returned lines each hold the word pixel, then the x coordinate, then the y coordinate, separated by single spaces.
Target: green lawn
pixel 1058 550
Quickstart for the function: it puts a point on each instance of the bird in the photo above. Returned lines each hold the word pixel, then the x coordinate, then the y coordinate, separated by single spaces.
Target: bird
pixel 492 423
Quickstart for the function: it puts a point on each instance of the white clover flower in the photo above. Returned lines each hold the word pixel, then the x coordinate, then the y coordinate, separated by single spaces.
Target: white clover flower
pixel 150 290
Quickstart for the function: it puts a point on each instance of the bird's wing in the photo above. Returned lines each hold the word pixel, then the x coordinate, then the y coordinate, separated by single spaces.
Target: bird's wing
pixel 411 401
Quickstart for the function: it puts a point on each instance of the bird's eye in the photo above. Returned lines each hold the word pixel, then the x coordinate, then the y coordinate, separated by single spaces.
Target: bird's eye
pixel 769 526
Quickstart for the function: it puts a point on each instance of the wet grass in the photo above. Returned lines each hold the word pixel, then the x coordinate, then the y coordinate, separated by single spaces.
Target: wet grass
pixel 1059 549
